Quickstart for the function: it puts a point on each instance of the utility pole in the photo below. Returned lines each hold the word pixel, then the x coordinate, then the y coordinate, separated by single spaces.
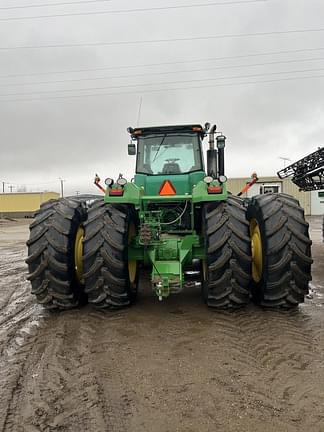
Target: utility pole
pixel 62 186
pixel 3 187
pixel 285 159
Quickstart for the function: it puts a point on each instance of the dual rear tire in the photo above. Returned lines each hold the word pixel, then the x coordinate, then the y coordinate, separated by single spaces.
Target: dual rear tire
pixel 259 249
pixel 77 255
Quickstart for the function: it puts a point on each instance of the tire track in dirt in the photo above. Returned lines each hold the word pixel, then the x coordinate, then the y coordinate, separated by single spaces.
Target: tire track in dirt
pixel 18 313
pixel 56 376
pixel 236 352
pixel 284 344
pixel 19 323
pixel 174 351
pixel 60 385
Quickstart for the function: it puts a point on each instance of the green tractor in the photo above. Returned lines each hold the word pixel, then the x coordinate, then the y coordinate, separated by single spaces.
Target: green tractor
pixel 176 220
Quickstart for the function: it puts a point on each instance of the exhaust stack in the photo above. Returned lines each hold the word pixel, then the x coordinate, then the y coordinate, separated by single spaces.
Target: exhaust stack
pixel 221 160
pixel 212 154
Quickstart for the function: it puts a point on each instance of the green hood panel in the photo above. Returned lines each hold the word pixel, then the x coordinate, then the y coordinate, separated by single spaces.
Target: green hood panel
pixel 183 183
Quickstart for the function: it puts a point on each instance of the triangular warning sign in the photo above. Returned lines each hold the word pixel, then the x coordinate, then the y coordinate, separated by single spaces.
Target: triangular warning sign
pixel 167 188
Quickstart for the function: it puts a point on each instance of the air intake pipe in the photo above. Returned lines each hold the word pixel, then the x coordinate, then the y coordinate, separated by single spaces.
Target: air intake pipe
pixel 212 154
pixel 221 146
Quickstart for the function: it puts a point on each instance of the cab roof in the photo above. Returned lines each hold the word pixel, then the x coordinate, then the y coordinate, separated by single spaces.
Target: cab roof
pixel 151 130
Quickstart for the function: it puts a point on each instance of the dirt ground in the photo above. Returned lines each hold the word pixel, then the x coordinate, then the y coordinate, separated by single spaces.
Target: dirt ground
pixel 157 367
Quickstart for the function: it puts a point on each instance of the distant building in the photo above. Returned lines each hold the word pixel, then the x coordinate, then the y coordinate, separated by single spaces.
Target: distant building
pixel 312 202
pixel 24 204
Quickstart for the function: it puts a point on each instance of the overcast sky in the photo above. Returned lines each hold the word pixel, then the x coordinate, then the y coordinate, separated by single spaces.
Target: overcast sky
pixel 264 91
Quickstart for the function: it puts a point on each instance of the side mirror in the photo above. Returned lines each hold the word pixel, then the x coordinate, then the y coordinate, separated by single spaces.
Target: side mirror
pixel 131 149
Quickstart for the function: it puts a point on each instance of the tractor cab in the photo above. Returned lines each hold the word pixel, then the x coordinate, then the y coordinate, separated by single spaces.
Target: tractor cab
pixel 173 152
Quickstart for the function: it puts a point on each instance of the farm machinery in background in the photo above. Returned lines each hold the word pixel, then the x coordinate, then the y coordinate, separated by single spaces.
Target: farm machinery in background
pixel 173 216
pixel 307 173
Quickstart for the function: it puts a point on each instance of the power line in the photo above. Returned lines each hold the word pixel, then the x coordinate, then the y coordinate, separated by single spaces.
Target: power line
pixel 54 4
pixel 164 89
pixel 161 83
pixel 123 11
pixel 164 73
pixel 145 65
pixel 153 41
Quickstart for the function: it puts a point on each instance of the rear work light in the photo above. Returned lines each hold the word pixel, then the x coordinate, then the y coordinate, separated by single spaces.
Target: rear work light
pixel 121 181
pixel 109 181
pixel 116 192
pixel 214 189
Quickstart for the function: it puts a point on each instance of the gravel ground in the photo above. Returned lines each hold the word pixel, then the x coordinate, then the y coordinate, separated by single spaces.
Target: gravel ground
pixel 157 367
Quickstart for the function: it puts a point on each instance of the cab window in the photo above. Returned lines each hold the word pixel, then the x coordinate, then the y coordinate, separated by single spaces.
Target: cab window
pixel 169 154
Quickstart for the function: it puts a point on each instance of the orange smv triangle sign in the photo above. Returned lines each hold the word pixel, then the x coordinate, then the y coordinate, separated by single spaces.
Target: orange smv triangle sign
pixel 167 188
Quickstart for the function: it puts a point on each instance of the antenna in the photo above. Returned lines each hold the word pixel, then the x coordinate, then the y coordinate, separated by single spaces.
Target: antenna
pixel 139 111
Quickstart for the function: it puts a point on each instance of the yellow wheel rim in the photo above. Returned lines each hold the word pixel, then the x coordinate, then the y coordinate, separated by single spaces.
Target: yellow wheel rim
pixel 257 254
pixel 132 271
pixel 132 264
pixel 78 254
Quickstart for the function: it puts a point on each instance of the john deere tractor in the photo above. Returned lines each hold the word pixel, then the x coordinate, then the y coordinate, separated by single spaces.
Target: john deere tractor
pixel 175 219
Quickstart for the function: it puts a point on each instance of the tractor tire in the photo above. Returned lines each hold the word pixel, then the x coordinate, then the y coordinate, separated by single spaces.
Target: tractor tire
pixel 227 267
pixel 281 251
pixel 51 254
pixel 108 279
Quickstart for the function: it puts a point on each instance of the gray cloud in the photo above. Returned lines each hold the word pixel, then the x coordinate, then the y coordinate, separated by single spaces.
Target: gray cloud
pixel 74 138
